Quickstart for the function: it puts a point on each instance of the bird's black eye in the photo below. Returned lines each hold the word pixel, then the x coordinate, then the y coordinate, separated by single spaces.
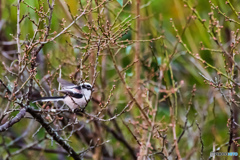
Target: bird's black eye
pixel 87 86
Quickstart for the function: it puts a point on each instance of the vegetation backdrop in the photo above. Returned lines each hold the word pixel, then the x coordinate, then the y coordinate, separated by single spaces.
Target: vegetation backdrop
pixel 165 75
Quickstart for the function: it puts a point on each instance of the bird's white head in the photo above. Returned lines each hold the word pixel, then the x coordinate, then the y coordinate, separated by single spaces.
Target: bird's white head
pixel 86 89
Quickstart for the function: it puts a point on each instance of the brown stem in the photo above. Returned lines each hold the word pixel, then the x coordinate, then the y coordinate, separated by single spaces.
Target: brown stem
pixel 174 133
pixel 137 54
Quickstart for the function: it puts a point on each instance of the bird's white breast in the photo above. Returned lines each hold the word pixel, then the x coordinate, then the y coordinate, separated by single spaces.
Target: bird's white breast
pixel 74 103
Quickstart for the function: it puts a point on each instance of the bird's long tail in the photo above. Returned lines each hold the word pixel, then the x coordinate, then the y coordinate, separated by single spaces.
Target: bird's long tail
pixel 45 99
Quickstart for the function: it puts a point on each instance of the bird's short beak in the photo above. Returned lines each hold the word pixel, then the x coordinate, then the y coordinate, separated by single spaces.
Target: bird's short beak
pixel 93 89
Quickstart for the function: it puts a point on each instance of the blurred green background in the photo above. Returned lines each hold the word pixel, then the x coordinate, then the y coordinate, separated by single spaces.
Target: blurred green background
pixel 208 107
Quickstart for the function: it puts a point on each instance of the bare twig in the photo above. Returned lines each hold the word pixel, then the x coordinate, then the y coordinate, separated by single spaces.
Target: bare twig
pixel 134 136
pixel 54 134
pixel 112 118
pixel 18 33
pixel 186 120
pixel 11 122
pixel 174 133
pixel 66 28
pixel 122 139
pixel 27 147
pixel 200 136
pixel 1 83
pixel 127 89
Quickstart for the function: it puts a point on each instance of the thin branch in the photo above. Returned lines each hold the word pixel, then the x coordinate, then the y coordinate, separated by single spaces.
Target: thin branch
pixel 18 32
pixel 128 90
pixel 1 83
pixel 112 118
pixel 174 133
pixel 27 147
pixel 11 122
pixel 54 134
pixel 186 119
pixel 65 29
pixel 122 139
pixel 200 134
pixel 135 137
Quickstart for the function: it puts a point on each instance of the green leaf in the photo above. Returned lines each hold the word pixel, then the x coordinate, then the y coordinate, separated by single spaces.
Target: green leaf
pixel 120 2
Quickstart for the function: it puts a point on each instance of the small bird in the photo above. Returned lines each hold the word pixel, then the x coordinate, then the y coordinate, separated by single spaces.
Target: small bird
pixel 76 96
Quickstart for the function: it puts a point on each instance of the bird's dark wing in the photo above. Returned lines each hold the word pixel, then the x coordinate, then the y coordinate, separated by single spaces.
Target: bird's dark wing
pixel 74 95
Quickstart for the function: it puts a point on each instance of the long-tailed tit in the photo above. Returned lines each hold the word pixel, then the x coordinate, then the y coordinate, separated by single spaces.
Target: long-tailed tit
pixel 76 96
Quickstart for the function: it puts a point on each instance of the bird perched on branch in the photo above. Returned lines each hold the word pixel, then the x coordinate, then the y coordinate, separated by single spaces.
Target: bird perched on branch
pixel 76 96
